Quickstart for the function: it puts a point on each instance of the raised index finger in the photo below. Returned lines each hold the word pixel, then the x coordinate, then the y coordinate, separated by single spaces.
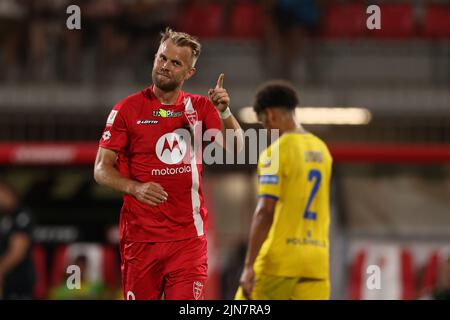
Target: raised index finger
pixel 220 81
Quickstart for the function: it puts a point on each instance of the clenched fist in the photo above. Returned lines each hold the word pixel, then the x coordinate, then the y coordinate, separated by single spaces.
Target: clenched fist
pixel 150 193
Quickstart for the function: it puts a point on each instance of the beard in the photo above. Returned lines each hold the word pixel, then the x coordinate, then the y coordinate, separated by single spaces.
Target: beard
pixel 164 83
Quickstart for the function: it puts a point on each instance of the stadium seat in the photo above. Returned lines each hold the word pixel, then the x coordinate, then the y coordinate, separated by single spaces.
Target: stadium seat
pixel 39 257
pixel 58 265
pixel 437 21
pixel 111 268
pixel 202 20
pixel 430 279
pixel 345 21
pixel 356 271
pixel 397 22
pixel 247 20
pixel 407 274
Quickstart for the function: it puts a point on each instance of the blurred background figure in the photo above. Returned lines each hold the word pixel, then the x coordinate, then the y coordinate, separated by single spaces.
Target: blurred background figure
pixel 12 32
pixel 17 275
pixel 288 23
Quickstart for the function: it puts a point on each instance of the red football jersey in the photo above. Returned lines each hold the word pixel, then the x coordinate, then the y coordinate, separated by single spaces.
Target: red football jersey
pixel 152 145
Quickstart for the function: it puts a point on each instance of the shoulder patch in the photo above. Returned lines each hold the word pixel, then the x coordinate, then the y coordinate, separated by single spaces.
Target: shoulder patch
pixel 111 117
pixel 268 179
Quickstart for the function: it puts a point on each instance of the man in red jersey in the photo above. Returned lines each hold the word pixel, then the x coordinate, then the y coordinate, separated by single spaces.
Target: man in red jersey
pixel 144 154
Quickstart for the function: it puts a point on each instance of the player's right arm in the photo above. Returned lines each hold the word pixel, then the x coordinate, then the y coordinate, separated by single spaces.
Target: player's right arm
pixel 114 139
pixel 261 223
pixel 106 174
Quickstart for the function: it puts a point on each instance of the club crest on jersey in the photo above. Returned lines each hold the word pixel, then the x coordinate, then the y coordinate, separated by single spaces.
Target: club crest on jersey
pixel 166 113
pixel 191 116
pixel 197 289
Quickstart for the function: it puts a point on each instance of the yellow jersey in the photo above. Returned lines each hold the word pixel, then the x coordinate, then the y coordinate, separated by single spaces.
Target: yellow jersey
pixel 296 170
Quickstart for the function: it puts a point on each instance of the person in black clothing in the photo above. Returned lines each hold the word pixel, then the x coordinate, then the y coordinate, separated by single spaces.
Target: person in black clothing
pixel 17 275
pixel 289 22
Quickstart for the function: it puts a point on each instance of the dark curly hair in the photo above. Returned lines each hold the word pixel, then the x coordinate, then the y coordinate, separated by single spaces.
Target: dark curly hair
pixel 276 93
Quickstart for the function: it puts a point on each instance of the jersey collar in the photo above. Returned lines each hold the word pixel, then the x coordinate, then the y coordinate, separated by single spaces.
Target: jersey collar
pixel 151 95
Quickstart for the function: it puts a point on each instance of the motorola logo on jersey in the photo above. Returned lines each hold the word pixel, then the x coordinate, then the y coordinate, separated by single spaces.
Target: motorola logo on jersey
pixel 171 148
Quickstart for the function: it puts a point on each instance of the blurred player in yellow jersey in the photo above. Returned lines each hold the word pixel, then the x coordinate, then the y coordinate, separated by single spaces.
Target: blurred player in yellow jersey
pixel 288 251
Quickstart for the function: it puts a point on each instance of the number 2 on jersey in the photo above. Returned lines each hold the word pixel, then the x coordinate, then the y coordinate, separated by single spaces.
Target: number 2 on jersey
pixel 317 177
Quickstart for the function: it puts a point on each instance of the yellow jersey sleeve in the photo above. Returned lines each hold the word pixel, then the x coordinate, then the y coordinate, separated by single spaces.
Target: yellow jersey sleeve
pixel 271 171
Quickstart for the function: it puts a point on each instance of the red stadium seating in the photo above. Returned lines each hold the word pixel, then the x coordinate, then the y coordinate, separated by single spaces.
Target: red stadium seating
pixel 247 20
pixel 437 21
pixel 202 20
pixel 111 269
pixel 39 260
pixel 345 21
pixel 58 266
pixel 397 21
pixel 356 271
pixel 407 274
pixel 430 279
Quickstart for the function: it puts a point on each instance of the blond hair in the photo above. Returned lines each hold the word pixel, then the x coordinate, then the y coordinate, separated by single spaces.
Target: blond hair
pixel 182 39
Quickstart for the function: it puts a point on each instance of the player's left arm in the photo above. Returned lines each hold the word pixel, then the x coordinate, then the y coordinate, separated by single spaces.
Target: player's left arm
pixel 221 100
pixel 261 223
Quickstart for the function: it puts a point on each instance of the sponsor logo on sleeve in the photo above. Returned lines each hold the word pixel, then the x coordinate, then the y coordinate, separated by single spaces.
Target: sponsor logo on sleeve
pixel 111 117
pixel 106 135
pixel 268 179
